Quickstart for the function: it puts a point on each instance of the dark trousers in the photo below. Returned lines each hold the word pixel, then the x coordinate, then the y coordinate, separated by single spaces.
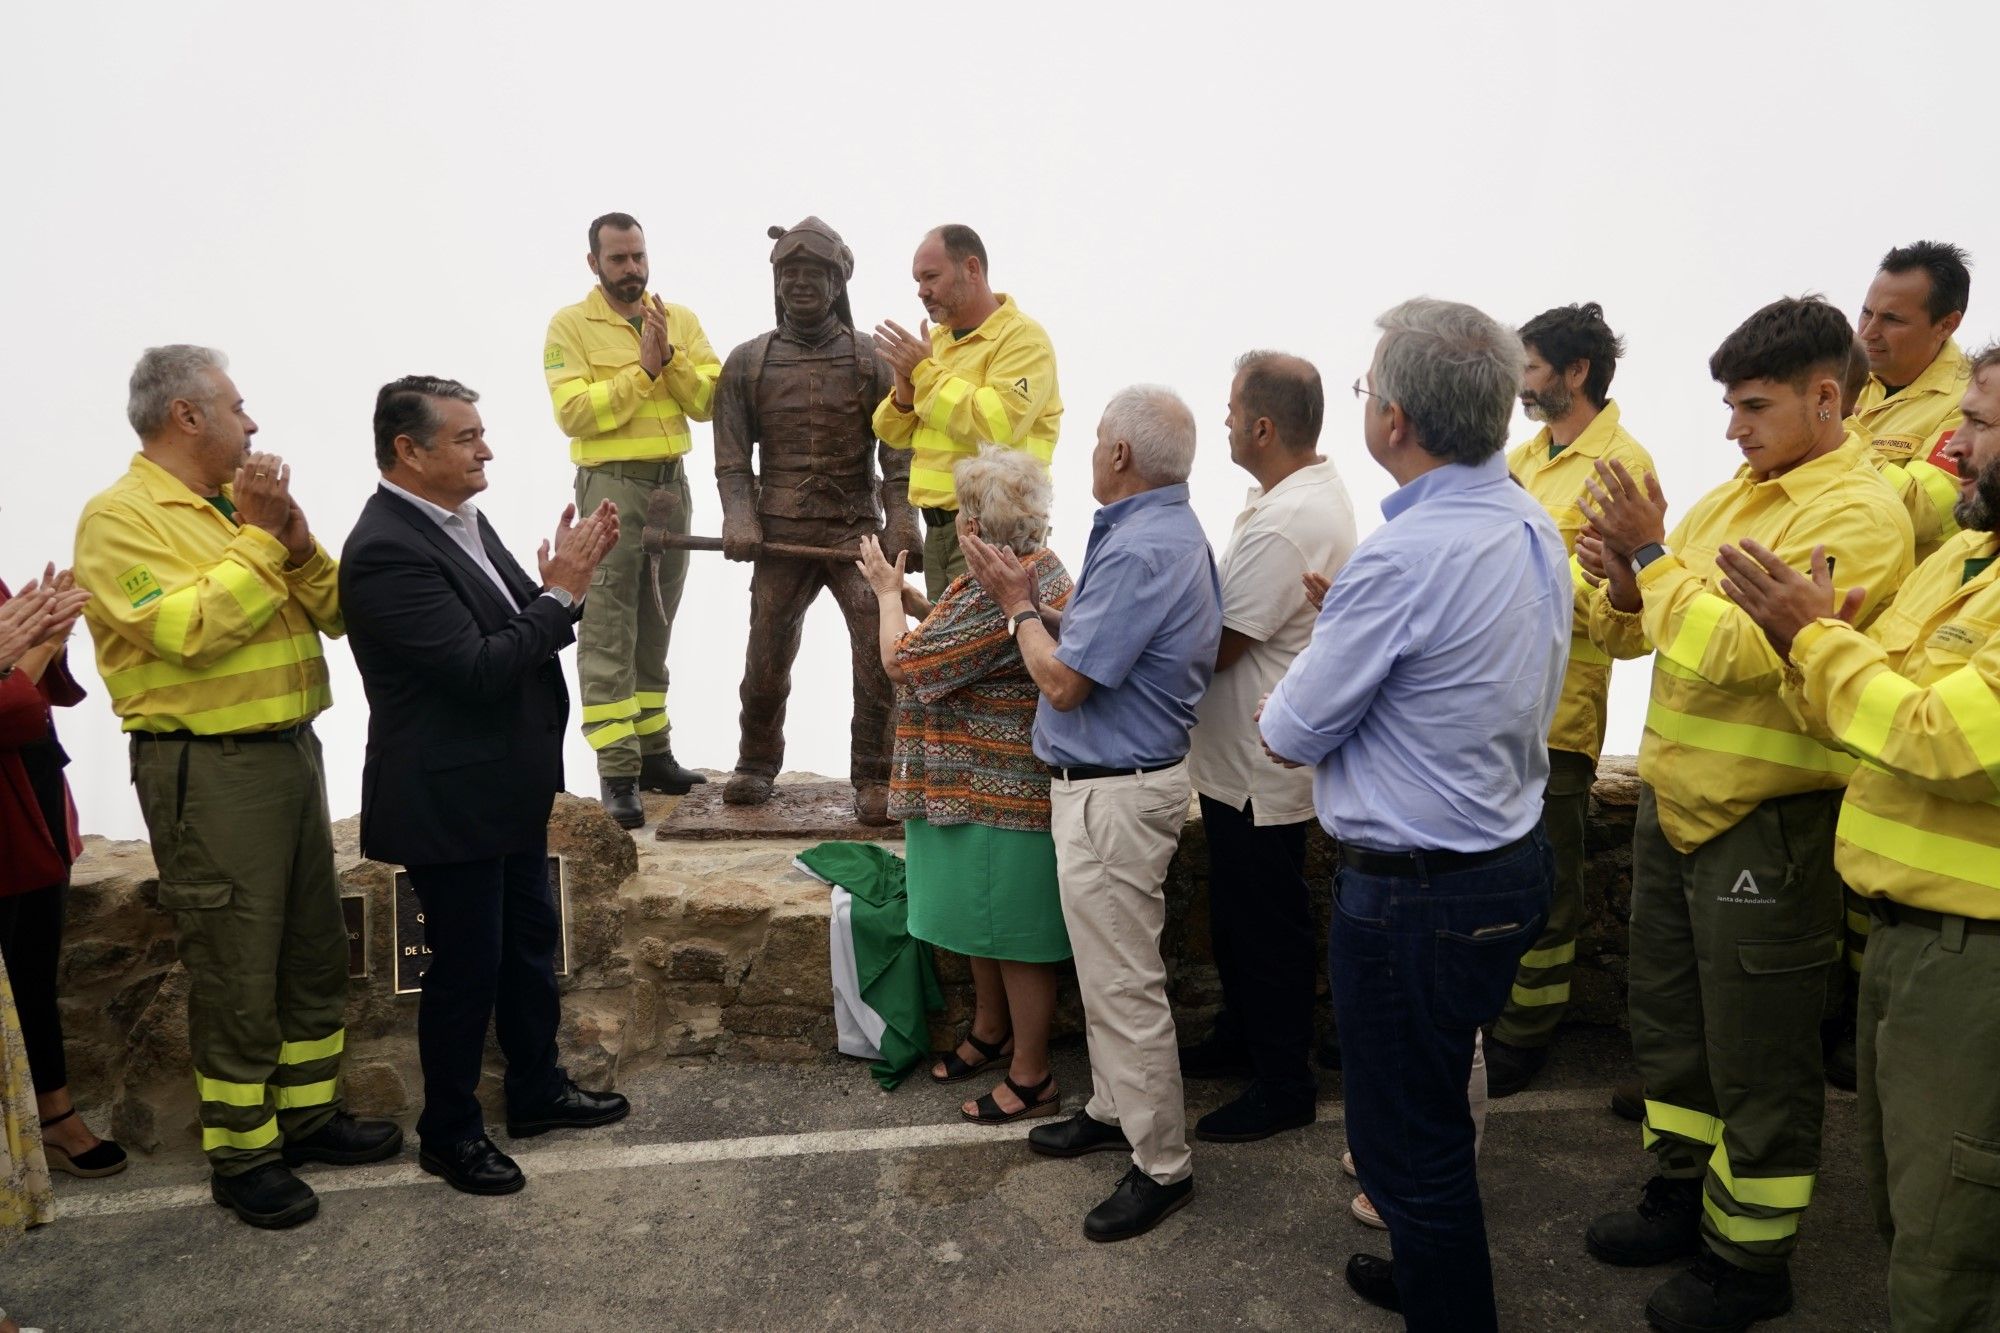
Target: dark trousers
pixel 1260 919
pixel 31 945
pixel 491 928
pixel 1419 963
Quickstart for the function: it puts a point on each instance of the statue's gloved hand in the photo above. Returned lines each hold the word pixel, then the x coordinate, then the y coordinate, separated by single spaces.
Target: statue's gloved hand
pixel 900 534
pixel 742 537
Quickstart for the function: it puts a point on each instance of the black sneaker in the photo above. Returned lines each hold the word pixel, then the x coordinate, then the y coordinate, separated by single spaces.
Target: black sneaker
pixel 1665 1226
pixel 1373 1279
pixel 620 799
pixel 346 1140
pixel 1511 1068
pixel 1254 1115
pixel 659 772
pixel 1715 1296
pixel 267 1196
pixel 1139 1204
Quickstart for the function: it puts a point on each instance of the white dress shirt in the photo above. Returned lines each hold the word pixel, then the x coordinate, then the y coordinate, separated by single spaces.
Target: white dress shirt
pixel 462 526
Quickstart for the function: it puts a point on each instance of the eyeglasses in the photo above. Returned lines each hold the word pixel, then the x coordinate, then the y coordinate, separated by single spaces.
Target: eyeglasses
pixel 1362 391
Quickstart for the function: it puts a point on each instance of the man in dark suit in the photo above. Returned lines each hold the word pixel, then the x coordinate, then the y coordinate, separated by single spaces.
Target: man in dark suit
pixel 457 649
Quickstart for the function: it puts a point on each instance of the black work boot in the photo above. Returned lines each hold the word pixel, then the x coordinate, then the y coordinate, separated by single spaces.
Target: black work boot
pixel 346 1140
pixel 659 772
pixel 1628 1102
pixel 1665 1226
pixel 1511 1068
pixel 267 1196
pixel 1715 1296
pixel 620 799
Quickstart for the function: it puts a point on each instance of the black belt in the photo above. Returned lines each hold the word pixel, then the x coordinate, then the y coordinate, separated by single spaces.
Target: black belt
pixel 1895 914
pixel 1412 865
pixel 940 518
pixel 241 737
pixel 1086 773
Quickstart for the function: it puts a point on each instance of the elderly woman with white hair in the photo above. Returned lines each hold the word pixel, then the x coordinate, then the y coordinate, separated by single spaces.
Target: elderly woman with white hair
pixel 973 798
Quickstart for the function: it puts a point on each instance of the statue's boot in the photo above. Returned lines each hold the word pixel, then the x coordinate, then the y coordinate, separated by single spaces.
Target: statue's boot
pixel 749 789
pixel 871 802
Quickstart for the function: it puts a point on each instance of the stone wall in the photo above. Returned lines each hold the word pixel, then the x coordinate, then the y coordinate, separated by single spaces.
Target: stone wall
pixel 677 949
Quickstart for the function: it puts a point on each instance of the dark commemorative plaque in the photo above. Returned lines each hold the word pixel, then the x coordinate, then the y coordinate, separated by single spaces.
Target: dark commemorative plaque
pixel 354 915
pixel 406 929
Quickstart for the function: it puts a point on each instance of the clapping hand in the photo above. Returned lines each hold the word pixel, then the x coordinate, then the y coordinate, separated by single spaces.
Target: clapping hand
pixel 1256 720
pixel 45 610
pixel 656 348
pixel 903 350
pixel 1316 585
pixel 579 549
pixel 885 578
pixel 1625 514
pixel 1780 599
pixel 1000 572
pixel 1613 572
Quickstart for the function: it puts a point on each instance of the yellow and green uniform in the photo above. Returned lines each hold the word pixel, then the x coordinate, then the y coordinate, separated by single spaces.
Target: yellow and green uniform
pixel 628 432
pixel 1736 907
pixel 1555 475
pixel 1907 433
pixel 996 384
pixel 1916 700
pixel 209 645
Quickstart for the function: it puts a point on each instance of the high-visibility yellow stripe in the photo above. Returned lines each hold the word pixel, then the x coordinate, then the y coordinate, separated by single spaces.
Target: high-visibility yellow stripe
pixel 610 735
pixel 568 391
pixel 249 1140
pixel 1937 853
pixel 273 714
pixel 304 1052
pixel 1042 451
pixel 1859 922
pixel 600 407
pixel 1972 705
pixel 626 447
pixel 1748 741
pixel 1690 645
pixel 1541 995
pixel 241 661
pixel 1556 957
pixel 611 712
pixel 651 699
pixel 1875 715
pixel 229 1094
pixel 1857 960
pixel 992 414
pixel 293 1097
pixel 1762 1191
pixel 648 726
pixel 1941 487
pixel 1583 650
pixel 1750 1230
pixel 1577 578
pixel 949 395
pixel 1683 1123
pixel 171 621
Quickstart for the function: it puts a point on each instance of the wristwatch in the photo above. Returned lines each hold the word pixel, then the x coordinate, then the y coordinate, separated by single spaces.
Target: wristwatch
pixel 1021 618
pixel 1647 554
pixel 562 598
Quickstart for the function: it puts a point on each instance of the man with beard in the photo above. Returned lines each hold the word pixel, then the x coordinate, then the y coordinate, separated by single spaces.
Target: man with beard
pixel 209 598
pixel 1572 355
pixel 1917 700
pixel 795 462
pixel 1735 901
pixel 626 373
pixel 978 372
pixel 1909 406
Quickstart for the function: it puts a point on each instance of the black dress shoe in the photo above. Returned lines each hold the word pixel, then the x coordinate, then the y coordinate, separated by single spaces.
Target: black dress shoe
pixel 1254 1116
pixel 1374 1281
pixel 473 1166
pixel 572 1108
pixel 1715 1296
pixel 1076 1136
pixel 1139 1204
pixel 620 799
pixel 660 772
pixel 267 1196
pixel 346 1140
pixel 1511 1068
pixel 1666 1225
pixel 1216 1059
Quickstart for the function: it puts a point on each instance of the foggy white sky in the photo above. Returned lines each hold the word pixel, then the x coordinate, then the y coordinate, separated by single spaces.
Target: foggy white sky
pixel 339 196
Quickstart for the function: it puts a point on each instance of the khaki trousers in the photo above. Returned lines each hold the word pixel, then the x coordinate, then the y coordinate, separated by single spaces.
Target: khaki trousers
pixel 1114 837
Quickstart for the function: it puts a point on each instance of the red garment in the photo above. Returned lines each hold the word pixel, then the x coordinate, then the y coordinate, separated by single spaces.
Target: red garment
pixel 29 857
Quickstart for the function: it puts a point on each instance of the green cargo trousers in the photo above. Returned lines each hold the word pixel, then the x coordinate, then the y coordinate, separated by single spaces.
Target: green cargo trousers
pixel 1541 982
pixel 245 859
pixel 943 560
pixel 1730 946
pixel 621 652
pixel 1930 1114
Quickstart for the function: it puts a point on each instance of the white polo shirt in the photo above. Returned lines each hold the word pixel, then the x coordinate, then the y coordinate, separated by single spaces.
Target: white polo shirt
pixel 1304 522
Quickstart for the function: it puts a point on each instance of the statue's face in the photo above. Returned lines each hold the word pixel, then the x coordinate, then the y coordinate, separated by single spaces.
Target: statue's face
pixel 806 289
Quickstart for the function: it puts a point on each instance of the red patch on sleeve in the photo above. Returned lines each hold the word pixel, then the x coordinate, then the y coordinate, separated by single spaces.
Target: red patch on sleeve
pixel 1938 459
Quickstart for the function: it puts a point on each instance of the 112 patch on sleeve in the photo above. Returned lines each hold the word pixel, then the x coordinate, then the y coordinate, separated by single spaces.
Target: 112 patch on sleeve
pixel 138 585
pixel 552 357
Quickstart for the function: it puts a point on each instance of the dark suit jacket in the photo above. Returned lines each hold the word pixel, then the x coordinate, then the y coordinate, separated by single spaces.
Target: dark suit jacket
pixel 465 695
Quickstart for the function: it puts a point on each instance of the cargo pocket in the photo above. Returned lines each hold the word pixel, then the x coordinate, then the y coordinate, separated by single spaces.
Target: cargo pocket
pixel 1767 958
pixel 1473 973
pixel 1968 1213
pixel 195 895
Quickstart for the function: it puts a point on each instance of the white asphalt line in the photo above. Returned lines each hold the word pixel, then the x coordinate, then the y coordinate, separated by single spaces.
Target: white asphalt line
pixel 563 1161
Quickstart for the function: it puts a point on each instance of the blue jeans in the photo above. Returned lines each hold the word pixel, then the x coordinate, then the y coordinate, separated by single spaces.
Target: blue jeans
pixel 1419 963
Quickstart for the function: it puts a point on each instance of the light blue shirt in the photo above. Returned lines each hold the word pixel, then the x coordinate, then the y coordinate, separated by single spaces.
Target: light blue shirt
pixel 1425 697
pixel 1143 624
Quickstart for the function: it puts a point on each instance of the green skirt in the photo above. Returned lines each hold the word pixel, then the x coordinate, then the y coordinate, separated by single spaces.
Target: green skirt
pixel 984 892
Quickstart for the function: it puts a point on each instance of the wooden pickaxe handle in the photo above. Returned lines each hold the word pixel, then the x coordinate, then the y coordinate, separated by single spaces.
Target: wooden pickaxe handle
pixel 657 540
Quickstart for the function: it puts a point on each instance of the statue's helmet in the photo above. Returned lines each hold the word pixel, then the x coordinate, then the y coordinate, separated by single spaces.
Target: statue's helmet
pixel 813 239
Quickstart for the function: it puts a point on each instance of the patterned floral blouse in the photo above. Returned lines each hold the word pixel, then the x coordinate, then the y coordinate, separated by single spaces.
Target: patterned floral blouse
pixel 965 714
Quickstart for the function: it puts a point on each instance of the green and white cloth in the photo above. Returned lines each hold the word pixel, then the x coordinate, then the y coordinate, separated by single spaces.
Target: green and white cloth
pixel 884 982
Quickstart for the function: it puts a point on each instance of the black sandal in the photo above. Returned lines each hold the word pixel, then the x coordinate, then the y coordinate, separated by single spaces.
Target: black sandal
pixel 991 1114
pixel 106 1159
pixel 957 1070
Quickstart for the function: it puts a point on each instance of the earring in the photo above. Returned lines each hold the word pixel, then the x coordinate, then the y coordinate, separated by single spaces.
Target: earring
pixel 1825 415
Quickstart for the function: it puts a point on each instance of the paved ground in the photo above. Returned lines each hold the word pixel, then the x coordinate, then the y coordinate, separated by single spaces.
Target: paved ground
pixel 799 1197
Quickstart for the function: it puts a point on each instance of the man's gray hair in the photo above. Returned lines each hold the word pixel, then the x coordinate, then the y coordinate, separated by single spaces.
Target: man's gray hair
pixel 1009 493
pixel 1158 426
pixel 1455 371
pixel 164 374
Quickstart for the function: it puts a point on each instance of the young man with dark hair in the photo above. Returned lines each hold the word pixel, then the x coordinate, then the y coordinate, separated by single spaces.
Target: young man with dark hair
pixel 1736 908
pixel 1572 355
pixel 1909 406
